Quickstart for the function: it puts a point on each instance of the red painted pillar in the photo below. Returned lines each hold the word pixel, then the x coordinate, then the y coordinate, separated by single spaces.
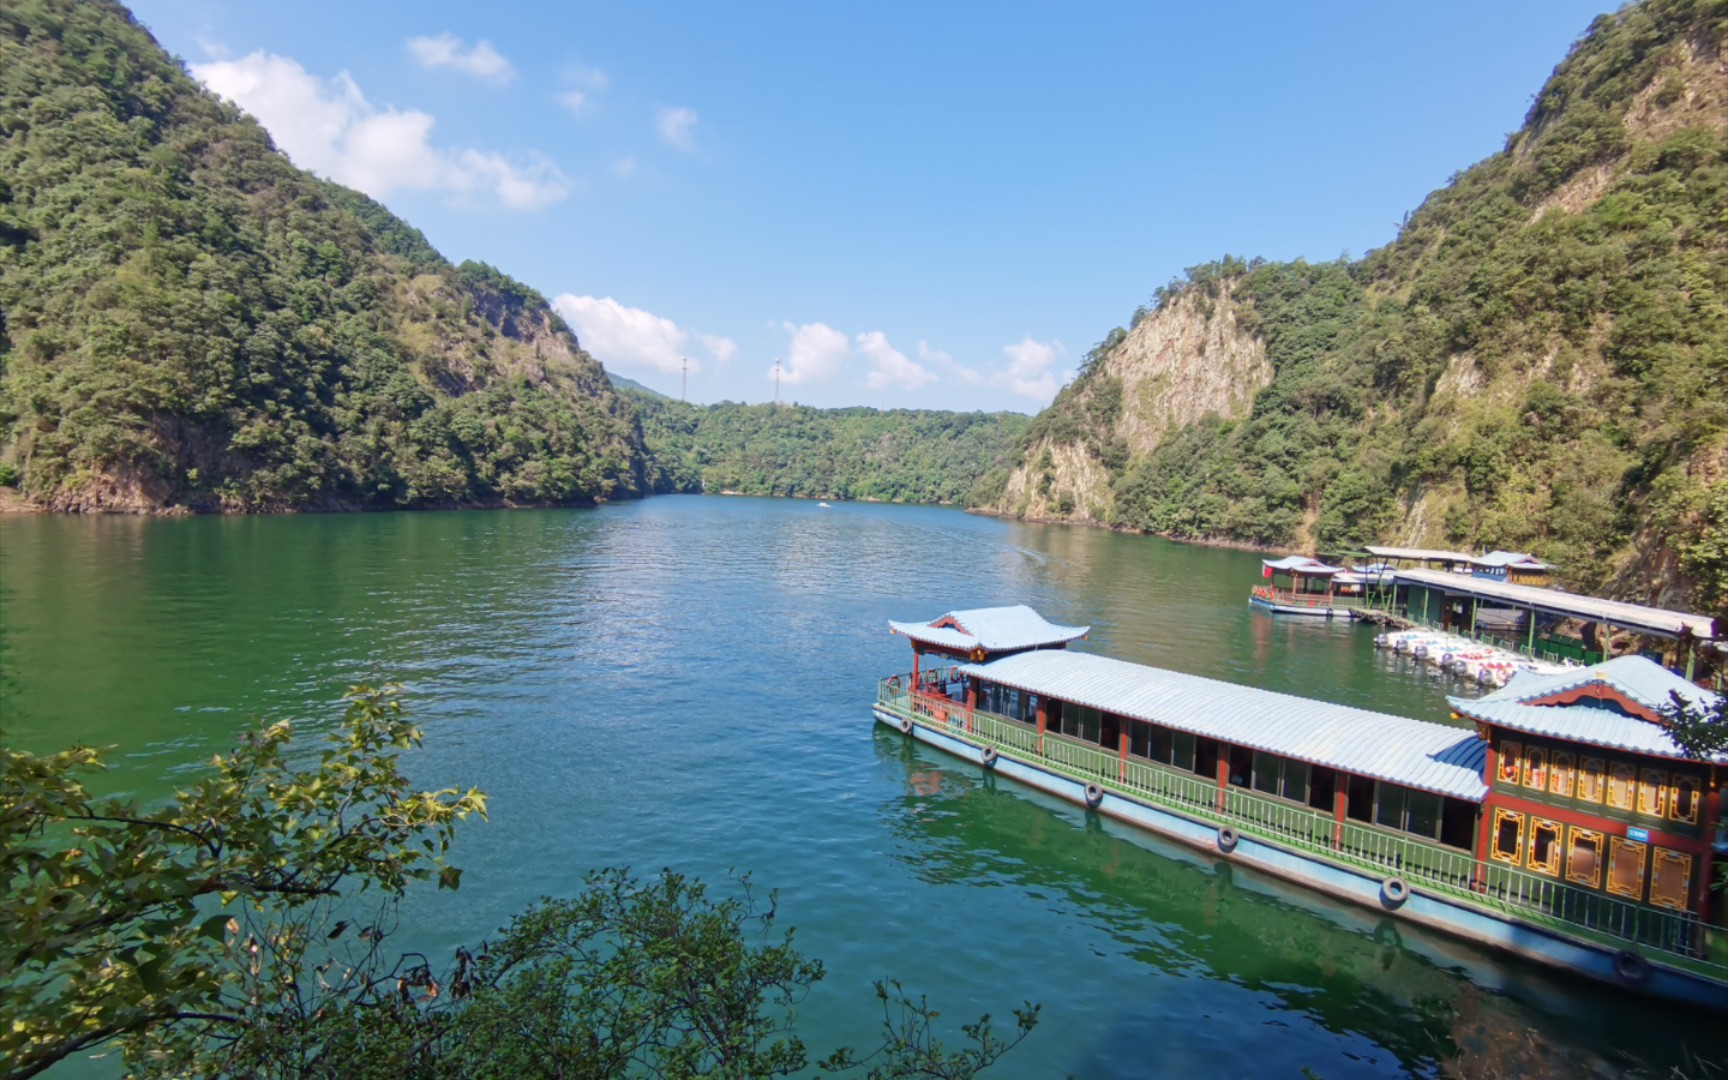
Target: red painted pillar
pixel 1041 716
pixel 1484 827
pixel 1340 809
pixel 1706 870
pixel 1122 769
pixel 1223 773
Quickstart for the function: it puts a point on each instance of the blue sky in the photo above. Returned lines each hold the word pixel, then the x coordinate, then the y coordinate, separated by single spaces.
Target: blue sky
pixel 929 205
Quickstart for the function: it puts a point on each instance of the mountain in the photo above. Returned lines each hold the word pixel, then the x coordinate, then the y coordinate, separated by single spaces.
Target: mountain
pixel 189 321
pixel 1538 361
pixel 619 382
pixel 892 455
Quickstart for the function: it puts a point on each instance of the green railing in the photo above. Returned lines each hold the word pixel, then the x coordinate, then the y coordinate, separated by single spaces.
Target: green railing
pixel 1681 936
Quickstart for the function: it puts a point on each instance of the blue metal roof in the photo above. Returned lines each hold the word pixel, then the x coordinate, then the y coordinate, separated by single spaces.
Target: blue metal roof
pixel 1300 564
pixel 1671 624
pixel 1638 679
pixel 991 629
pixel 1414 753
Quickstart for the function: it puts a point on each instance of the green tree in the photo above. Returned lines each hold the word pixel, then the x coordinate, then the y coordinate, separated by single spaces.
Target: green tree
pixel 240 929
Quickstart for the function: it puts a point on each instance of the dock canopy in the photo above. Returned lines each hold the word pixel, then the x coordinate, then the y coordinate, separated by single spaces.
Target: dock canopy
pixel 1516 560
pixel 982 631
pixel 1616 704
pixel 1645 620
pixel 1399 750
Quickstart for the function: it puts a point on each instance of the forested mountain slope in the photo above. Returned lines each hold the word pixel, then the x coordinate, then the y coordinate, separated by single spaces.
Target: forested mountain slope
pixel 1538 362
pixel 188 320
pixel 898 455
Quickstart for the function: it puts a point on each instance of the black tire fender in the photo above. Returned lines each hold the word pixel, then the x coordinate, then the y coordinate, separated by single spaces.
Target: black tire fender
pixel 905 725
pixel 1394 891
pixel 1094 796
pixel 1631 968
pixel 1227 838
pixel 989 757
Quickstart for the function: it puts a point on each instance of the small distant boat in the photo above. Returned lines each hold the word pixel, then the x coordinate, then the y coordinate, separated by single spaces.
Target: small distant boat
pixel 824 506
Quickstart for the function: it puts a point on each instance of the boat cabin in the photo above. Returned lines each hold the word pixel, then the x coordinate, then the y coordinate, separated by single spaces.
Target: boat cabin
pixel 980 635
pixel 1586 787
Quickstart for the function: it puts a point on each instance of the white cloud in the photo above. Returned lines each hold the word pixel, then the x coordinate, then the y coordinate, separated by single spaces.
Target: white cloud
pixel 574 100
pixel 620 336
pixel 1029 373
pixel 625 167
pixel 677 126
pixel 816 354
pixel 482 60
pixel 328 126
pixel 722 349
pixel 889 366
pixel 582 75
pixel 938 358
pixel 212 47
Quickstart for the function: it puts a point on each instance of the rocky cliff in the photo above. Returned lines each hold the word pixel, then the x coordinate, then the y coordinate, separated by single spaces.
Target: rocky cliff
pixel 1538 361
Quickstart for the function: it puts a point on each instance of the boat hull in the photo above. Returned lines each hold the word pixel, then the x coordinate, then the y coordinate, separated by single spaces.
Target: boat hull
pixel 1304 611
pixel 1421 908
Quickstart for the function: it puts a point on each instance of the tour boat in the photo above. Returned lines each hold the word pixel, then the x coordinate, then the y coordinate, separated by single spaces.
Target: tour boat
pixel 1562 825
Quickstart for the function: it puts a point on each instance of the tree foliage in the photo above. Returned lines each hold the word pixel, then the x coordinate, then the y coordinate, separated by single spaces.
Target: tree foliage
pixel 241 930
pixel 896 455
pixel 190 320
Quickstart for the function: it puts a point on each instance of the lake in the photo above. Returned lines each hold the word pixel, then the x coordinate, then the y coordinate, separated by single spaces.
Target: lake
pixel 686 682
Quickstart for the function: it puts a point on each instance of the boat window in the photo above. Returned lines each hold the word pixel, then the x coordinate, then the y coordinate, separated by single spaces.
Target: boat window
pixel 1089 724
pixel 1296 781
pixel 1268 772
pixel 1139 737
pixel 1560 775
pixel 1508 835
pixel 1584 858
pixel 1653 792
pixel 1206 757
pixel 1683 806
pixel 1590 779
pixel 1182 750
pixel 1422 808
pixel 1535 767
pixel 1458 827
pixel 1621 782
pixel 1671 879
pixel 1389 811
pixel 1511 755
pixel 1544 855
pixel 1626 867
pixel 1161 744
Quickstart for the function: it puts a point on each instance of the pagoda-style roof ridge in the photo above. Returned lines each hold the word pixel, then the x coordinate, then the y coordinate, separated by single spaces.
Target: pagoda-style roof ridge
pixel 1636 678
pixel 992 629
pixel 1550 705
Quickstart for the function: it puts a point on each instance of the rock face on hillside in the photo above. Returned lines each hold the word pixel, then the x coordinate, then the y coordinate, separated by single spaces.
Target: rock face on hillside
pixel 190 322
pixel 1538 362
pixel 1181 365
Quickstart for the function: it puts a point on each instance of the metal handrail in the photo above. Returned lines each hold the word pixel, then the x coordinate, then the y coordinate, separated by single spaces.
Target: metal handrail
pixel 1274 595
pixel 1454 873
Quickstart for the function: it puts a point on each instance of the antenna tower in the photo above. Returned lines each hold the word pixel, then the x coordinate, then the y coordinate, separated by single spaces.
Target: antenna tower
pixel 684 395
pixel 776 380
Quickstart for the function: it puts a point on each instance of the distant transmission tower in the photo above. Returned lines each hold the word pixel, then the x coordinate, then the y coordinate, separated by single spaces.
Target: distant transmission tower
pixel 776 380
pixel 684 395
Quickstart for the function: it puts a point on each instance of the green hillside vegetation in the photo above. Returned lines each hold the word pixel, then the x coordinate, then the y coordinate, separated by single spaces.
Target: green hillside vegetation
pixel 897 455
pixel 190 320
pixel 1538 362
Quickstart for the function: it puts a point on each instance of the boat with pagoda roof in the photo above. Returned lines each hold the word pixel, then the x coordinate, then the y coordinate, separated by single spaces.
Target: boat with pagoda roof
pixel 1562 824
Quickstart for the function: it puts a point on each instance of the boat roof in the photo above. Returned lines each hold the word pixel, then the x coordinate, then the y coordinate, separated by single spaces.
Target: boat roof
pixel 1511 558
pixel 1301 564
pixel 1594 716
pixel 1650 620
pixel 997 629
pixel 1415 753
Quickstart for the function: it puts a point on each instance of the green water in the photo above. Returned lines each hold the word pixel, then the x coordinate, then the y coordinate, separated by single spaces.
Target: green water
pixel 686 682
